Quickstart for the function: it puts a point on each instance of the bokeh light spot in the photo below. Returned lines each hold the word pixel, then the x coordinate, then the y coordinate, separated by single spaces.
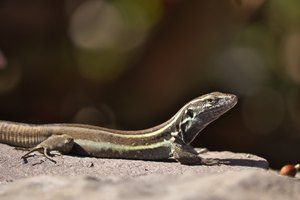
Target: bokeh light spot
pixel 293 106
pixel 291 54
pixel 247 63
pixel 95 24
pixel 3 61
pixel 10 78
pixel 100 66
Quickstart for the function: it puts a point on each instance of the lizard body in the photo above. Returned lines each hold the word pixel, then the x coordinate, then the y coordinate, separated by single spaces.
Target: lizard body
pixel 169 139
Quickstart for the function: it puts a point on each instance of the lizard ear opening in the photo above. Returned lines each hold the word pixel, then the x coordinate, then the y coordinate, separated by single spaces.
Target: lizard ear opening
pixel 190 113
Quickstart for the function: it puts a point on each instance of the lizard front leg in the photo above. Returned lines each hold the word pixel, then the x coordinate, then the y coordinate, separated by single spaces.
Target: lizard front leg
pixel 187 155
pixel 61 143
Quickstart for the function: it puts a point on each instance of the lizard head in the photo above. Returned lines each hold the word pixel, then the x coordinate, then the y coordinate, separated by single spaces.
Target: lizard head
pixel 199 112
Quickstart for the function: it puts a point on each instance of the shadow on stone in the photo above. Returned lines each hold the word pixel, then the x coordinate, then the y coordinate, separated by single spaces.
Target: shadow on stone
pixel 247 163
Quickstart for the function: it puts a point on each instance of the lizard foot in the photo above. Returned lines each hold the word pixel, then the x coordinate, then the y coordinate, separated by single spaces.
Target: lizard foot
pixel 212 161
pixel 57 143
pixel 187 155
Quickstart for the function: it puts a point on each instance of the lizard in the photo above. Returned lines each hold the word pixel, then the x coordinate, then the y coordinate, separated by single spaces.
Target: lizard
pixel 171 139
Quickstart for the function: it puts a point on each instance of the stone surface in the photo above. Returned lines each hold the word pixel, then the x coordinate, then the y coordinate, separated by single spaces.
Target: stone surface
pixel 12 167
pixel 247 184
pixel 245 177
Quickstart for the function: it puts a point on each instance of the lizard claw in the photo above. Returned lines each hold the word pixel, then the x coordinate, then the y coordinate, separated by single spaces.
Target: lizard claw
pixel 212 161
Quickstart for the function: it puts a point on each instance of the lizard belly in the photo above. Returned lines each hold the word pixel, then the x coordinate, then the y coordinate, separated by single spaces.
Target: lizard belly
pixel 159 150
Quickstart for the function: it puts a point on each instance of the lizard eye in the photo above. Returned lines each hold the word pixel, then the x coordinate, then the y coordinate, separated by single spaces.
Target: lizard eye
pixel 210 100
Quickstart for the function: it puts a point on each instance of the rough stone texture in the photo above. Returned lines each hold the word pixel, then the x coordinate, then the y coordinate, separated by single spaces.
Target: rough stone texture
pixel 248 184
pixel 245 177
pixel 12 167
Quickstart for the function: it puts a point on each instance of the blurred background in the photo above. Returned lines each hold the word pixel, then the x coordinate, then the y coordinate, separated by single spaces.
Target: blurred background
pixel 132 64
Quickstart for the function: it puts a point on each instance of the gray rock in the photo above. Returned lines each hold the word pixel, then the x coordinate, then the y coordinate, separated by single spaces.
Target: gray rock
pixel 247 184
pixel 12 167
pixel 244 177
